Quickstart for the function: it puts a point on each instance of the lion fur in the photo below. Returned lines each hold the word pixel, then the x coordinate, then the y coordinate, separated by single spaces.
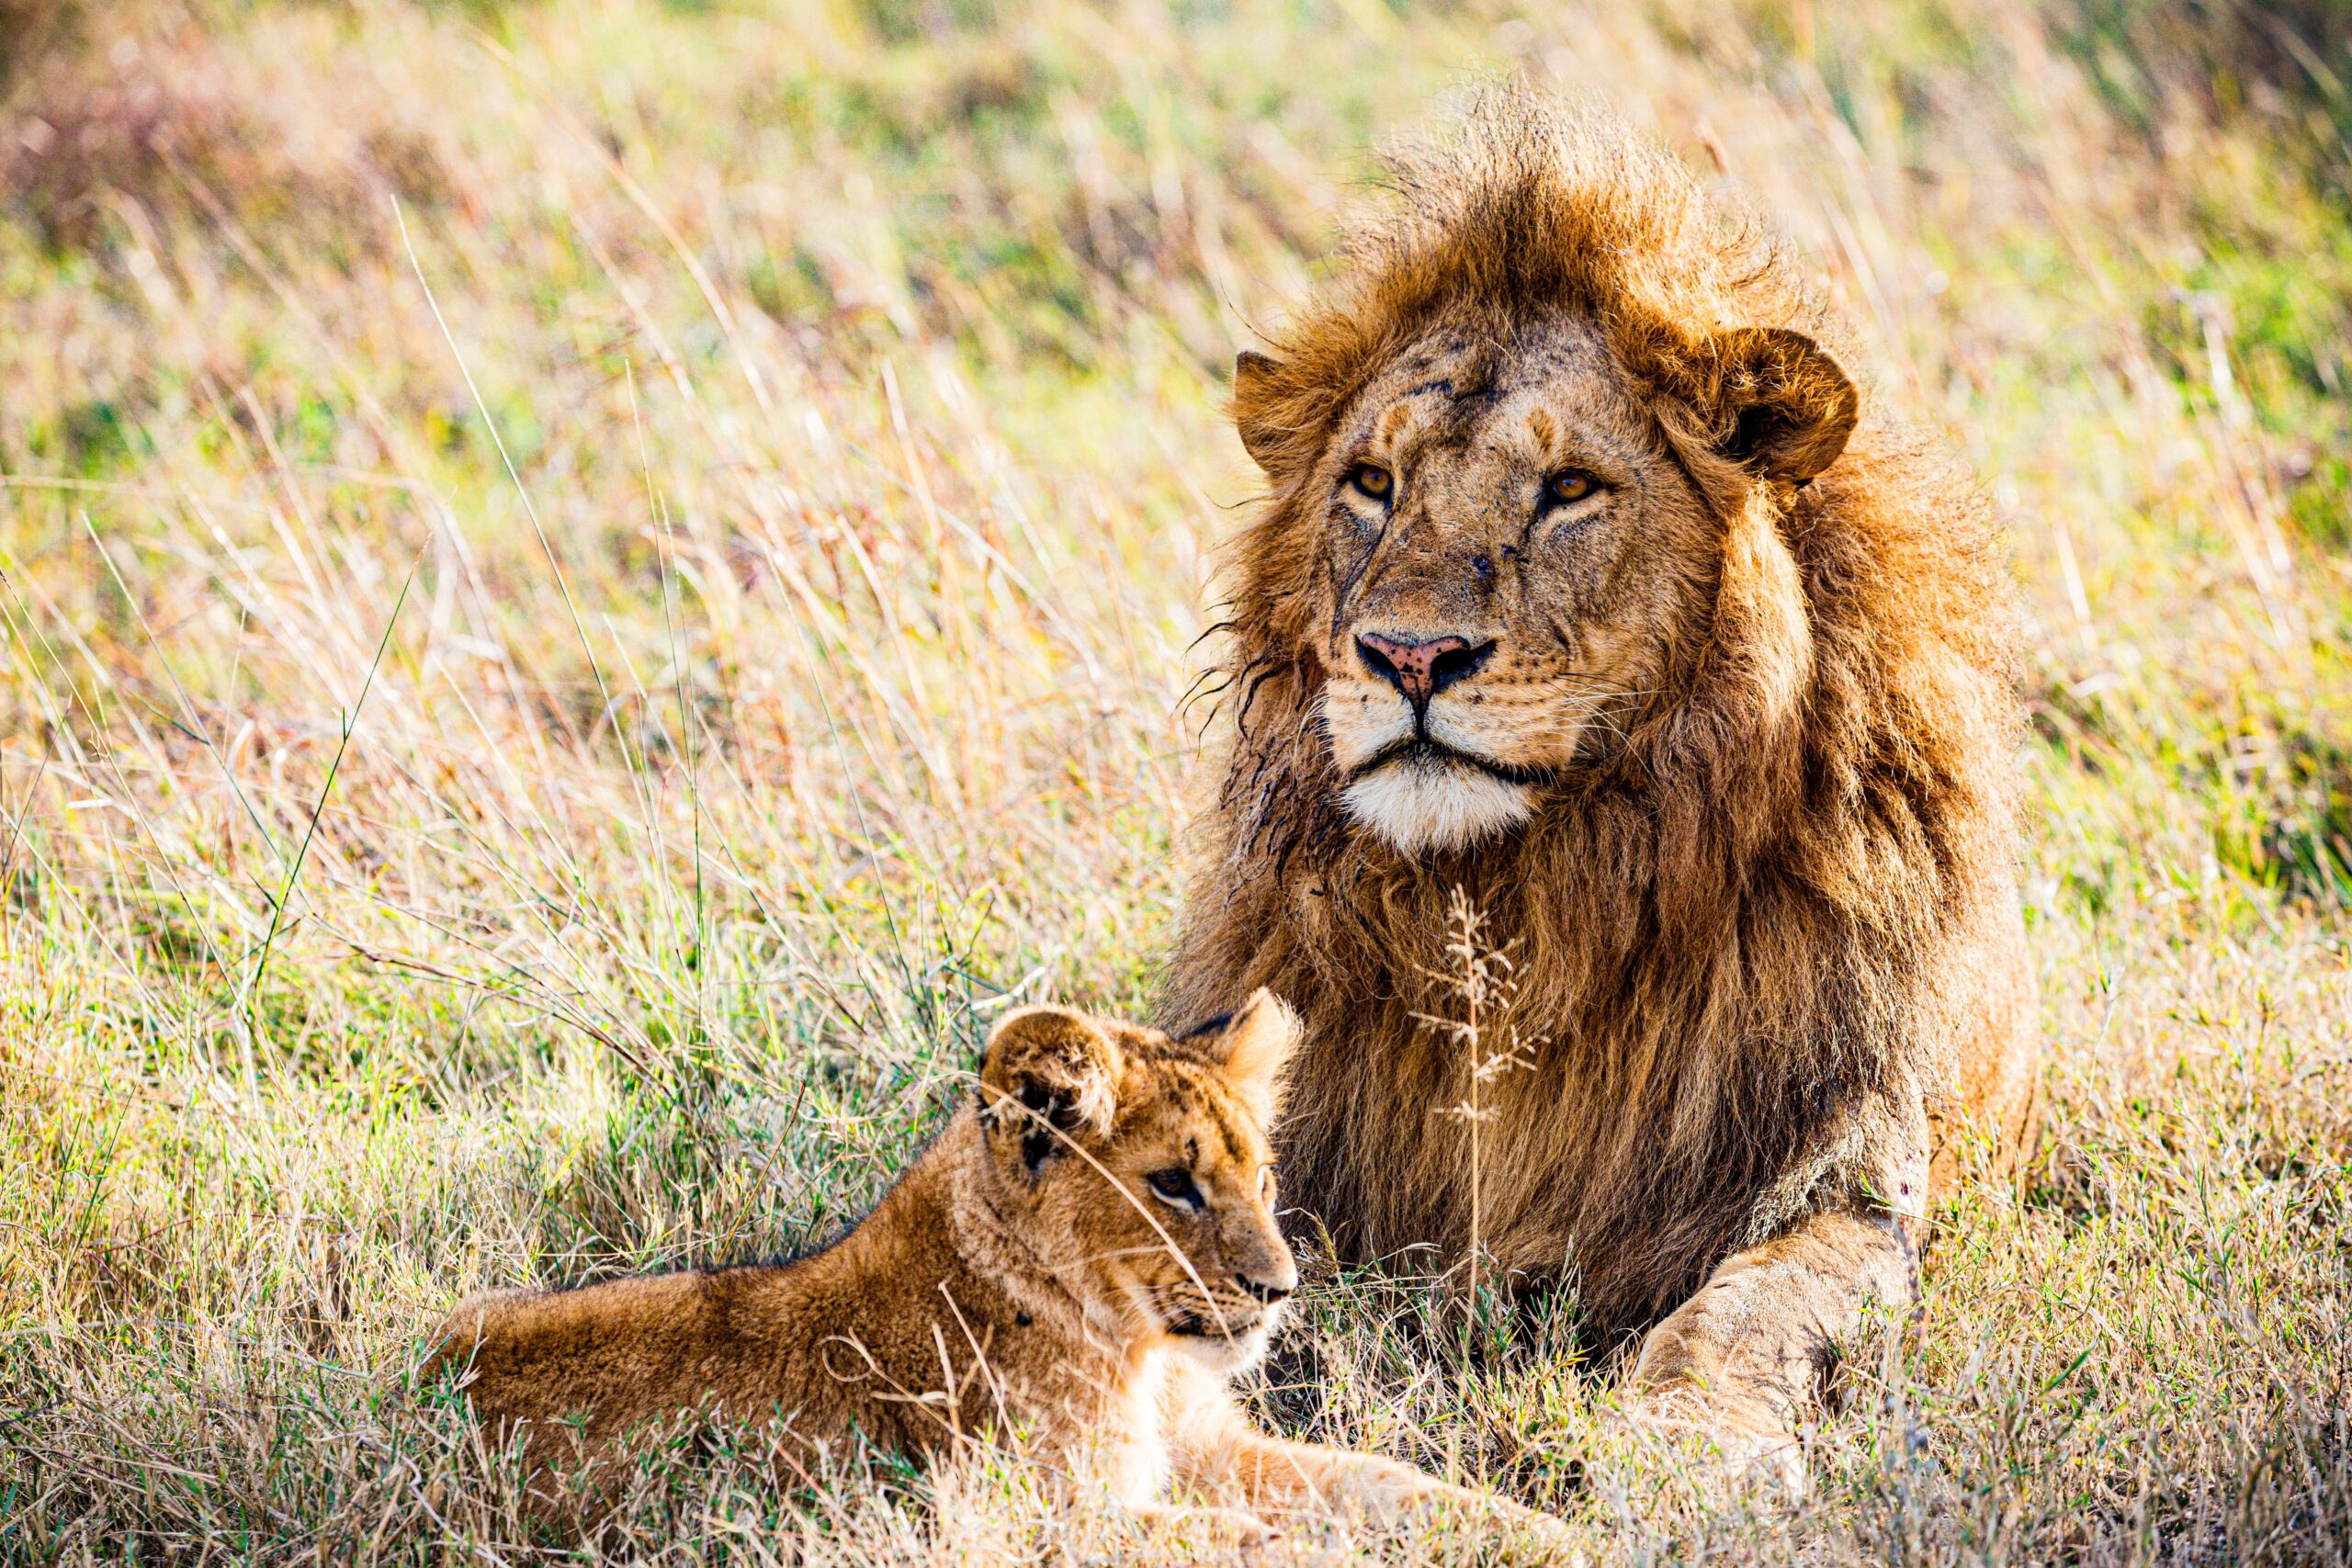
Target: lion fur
pixel 1773 923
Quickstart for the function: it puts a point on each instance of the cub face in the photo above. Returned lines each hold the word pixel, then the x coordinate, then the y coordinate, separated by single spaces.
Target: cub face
pixel 1136 1165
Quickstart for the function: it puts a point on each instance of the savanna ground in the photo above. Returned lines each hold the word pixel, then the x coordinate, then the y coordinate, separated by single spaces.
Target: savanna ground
pixel 590 589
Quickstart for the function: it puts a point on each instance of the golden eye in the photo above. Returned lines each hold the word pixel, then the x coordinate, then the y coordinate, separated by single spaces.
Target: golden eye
pixel 1570 485
pixel 1373 480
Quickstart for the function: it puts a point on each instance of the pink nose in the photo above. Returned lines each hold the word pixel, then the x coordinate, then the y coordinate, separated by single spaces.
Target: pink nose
pixel 1421 670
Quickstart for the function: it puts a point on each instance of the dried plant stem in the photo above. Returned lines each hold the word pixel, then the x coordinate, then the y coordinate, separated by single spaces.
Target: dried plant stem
pixel 1482 983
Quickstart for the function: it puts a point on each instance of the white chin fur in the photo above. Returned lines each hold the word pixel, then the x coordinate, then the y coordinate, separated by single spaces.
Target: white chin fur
pixel 1421 806
pixel 1232 1356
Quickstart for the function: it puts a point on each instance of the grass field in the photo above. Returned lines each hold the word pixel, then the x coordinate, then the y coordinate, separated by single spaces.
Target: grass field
pixel 589 589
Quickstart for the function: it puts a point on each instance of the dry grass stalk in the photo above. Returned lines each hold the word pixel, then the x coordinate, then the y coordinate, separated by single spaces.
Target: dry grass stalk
pixel 1481 982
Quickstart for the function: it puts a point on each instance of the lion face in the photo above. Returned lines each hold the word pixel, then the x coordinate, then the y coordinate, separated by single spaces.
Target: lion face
pixel 1511 551
pixel 1508 545
pixel 1137 1167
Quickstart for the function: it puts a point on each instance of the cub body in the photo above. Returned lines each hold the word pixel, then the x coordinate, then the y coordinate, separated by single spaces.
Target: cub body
pixel 1080 1264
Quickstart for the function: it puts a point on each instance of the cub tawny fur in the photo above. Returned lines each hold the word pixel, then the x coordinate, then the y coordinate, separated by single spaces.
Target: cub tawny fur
pixel 1085 1256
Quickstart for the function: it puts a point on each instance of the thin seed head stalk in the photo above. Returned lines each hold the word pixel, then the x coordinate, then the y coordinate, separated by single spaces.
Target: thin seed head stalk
pixel 1483 982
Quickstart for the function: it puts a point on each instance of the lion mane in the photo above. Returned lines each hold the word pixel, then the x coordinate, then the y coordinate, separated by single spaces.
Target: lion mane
pixel 1750 941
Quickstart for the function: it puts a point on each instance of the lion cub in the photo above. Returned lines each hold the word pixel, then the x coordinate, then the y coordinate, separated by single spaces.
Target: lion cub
pixel 1084 1258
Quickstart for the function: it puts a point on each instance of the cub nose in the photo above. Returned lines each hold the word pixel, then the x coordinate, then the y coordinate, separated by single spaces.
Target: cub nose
pixel 1270 1291
pixel 1421 669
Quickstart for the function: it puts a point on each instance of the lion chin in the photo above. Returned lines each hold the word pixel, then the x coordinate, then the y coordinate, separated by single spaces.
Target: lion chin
pixel 1432 805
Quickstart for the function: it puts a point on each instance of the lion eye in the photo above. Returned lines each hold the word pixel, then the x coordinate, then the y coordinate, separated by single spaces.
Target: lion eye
pixel 1570 485
pixel 1265 1182
pixel 1175 1186
pixel 1372 479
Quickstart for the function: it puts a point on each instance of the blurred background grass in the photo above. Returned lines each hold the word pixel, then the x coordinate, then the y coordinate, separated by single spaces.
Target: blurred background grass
pixel 590 588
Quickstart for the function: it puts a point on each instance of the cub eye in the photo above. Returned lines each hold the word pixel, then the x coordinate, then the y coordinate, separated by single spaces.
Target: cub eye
pixel 1568 486
pixel 1372 479
pixel 1174 1187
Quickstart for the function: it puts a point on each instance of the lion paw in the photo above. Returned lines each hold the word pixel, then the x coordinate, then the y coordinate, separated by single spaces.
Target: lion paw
pixel 1768 1461
pixel 1727 1456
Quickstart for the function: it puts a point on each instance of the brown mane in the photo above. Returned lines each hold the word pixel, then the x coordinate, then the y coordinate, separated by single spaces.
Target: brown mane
pixel 1734 935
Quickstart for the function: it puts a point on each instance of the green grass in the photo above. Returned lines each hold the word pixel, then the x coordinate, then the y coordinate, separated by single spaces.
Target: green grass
pixel 811 688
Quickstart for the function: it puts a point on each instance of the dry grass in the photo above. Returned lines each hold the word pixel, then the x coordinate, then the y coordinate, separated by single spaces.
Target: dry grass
pixel 589 589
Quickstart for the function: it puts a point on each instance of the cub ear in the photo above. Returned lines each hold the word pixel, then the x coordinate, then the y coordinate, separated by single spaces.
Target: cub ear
pixel 1255 1047
pixel 1050 1066
pixel 1792 406
pixel 1254 393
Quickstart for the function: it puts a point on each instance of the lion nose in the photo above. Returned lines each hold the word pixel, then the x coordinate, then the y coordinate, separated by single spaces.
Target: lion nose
pixel 1421 669
pixel 1270 1291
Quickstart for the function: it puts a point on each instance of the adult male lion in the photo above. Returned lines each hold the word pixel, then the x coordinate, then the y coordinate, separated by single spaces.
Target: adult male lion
pixel 1588 583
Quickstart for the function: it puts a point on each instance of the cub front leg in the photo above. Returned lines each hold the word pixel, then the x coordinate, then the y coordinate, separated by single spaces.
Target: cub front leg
pixel 1193 1528
pixel 1217 1452
pixel 1738 1359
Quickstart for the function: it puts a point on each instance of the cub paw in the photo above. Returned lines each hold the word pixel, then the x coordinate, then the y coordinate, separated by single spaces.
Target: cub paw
pixel 1212 1535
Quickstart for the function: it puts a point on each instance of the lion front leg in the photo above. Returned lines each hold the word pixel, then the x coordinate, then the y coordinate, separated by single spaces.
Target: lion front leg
pixel 1738 1360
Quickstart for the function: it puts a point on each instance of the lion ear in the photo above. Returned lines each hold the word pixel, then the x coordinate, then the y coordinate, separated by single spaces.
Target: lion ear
pixel 1255 1047
pixel 1791 405
pixel 1254 392
pixel 1062 1071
